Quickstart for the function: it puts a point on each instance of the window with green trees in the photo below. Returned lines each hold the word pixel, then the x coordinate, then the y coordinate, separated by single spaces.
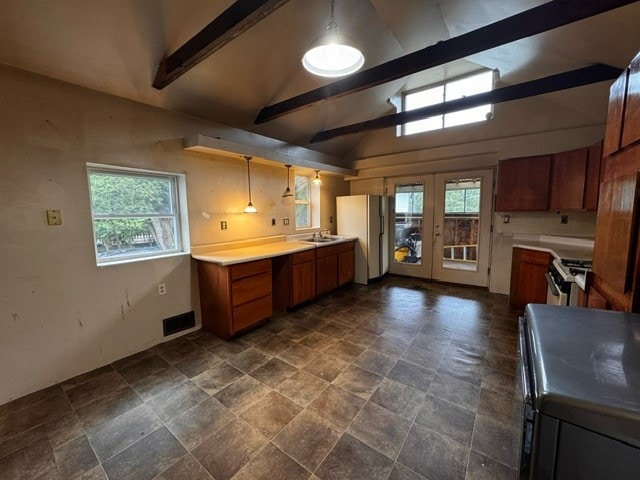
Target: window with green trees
pixel 135 213
pixel 303 201
pixel 462 196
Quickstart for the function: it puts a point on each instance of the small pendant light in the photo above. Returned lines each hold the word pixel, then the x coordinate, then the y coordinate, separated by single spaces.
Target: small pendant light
pixel 317 180
pixel 249 208
pixel 287 192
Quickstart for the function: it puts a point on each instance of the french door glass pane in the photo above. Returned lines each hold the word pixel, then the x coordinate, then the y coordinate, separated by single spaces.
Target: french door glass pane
pixel 409 213
pixel 461 224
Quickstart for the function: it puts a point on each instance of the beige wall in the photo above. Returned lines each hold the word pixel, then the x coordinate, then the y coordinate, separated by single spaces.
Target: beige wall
pixel 580 224
pixel 375 172
pixel 60 314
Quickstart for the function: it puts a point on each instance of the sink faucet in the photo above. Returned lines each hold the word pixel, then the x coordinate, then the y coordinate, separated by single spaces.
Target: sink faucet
pixel 317 234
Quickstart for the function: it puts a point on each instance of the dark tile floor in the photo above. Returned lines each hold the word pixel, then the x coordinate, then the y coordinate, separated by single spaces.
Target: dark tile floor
pixel 403 379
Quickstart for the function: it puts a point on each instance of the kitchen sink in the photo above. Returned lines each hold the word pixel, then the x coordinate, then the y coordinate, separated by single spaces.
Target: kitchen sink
pixel 320 240
pixel 327 239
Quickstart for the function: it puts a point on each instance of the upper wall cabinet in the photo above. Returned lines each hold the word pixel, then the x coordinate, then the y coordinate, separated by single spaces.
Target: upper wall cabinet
pixel 615 115
pixel 560 182
pixel 623 119
pixel 523 184
pixel 631 126
pixel 568 176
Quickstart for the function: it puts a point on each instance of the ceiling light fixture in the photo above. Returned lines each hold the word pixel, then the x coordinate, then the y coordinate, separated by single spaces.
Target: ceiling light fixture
pixel 287 192
pixel 317 180
pixel 249 208
pixel 333 54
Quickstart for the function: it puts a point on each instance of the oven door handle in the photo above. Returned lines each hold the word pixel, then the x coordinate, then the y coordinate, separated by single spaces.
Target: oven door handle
pixel 524 367
pixel 552 285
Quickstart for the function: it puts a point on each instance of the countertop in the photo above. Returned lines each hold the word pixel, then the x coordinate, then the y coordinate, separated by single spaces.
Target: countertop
pixel 559 247
pixel 232 256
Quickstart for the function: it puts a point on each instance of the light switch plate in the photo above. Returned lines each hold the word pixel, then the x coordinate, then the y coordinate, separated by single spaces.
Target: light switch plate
pixel 54 217
pixel 285 221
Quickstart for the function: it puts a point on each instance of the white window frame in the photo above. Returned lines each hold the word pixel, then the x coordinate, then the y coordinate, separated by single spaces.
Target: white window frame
pixel 402 131
pixel 307 202
pixel 180 213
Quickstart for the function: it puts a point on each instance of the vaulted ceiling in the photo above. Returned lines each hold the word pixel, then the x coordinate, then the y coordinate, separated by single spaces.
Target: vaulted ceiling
pixel 116 46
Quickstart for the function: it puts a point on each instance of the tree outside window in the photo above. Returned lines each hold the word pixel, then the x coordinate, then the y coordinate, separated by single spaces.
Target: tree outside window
pixel 134 214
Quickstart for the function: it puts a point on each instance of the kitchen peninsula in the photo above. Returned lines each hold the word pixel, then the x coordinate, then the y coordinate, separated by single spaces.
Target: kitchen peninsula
pixel 242 284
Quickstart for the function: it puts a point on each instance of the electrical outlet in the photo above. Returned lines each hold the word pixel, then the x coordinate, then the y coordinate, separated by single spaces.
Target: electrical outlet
pixel 273 222
pixel 506 219
pixel 330 218
pixel 54 217
pixel 564 219
pixel 223 225
pixel 285 221
pixel 162 289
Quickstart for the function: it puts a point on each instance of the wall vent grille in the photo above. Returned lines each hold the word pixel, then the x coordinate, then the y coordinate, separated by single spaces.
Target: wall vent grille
pixel 178 323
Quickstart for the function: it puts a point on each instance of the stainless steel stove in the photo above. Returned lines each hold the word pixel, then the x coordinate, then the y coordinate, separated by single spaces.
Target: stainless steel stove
pixel 580 379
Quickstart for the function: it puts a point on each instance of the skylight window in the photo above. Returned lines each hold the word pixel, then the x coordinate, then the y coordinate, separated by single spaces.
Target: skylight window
pixel 445 92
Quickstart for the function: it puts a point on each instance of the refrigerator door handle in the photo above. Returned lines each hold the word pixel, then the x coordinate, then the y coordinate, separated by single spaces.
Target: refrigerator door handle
pixel 381 224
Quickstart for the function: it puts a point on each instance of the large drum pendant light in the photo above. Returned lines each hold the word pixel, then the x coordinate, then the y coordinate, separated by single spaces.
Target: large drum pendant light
pixel 333 54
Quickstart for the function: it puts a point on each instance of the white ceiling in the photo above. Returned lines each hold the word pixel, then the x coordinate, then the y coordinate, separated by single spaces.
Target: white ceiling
pixel 115 46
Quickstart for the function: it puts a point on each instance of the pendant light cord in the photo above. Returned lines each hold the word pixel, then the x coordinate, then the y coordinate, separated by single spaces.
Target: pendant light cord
pixel 332 19
pixel 249 176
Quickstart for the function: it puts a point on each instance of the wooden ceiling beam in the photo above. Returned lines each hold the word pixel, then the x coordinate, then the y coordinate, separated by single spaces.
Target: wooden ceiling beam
pixel 562 81
pixel 531 22
pixel 235 20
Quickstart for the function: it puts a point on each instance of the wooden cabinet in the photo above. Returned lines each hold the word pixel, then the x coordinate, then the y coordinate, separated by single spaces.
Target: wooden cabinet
pixel 616 250
pixel 303 277
pixel 327 268
pixel 616 233
pixel 238 297
pixel 335 266
pixel 568 178
pixel 234 298
pixel 595 300
pixel 623 118
pixel 615 115
pixel 572 181
pixel 523 184
pixel 631 122
pixel 528 280
pixel 347 263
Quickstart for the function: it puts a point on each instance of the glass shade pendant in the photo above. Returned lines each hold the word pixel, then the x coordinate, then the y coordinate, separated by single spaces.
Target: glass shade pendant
pixel 333 54
pixel 317 180
pixel 249 208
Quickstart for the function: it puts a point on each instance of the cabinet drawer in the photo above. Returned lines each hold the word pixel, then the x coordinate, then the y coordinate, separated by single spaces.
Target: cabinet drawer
pixel 328 251
pixel 250 288
pixel 251 313
pixel 535 257
pixel 301 257
pixel 242 270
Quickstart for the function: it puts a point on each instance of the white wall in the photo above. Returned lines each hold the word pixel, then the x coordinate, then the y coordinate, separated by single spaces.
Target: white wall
pixel 61 315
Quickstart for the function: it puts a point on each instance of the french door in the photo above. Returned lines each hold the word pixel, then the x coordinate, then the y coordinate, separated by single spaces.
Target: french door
pixel 443 226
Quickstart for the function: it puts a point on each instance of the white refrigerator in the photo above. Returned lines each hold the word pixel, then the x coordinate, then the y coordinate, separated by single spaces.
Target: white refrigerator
pixel 366 217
